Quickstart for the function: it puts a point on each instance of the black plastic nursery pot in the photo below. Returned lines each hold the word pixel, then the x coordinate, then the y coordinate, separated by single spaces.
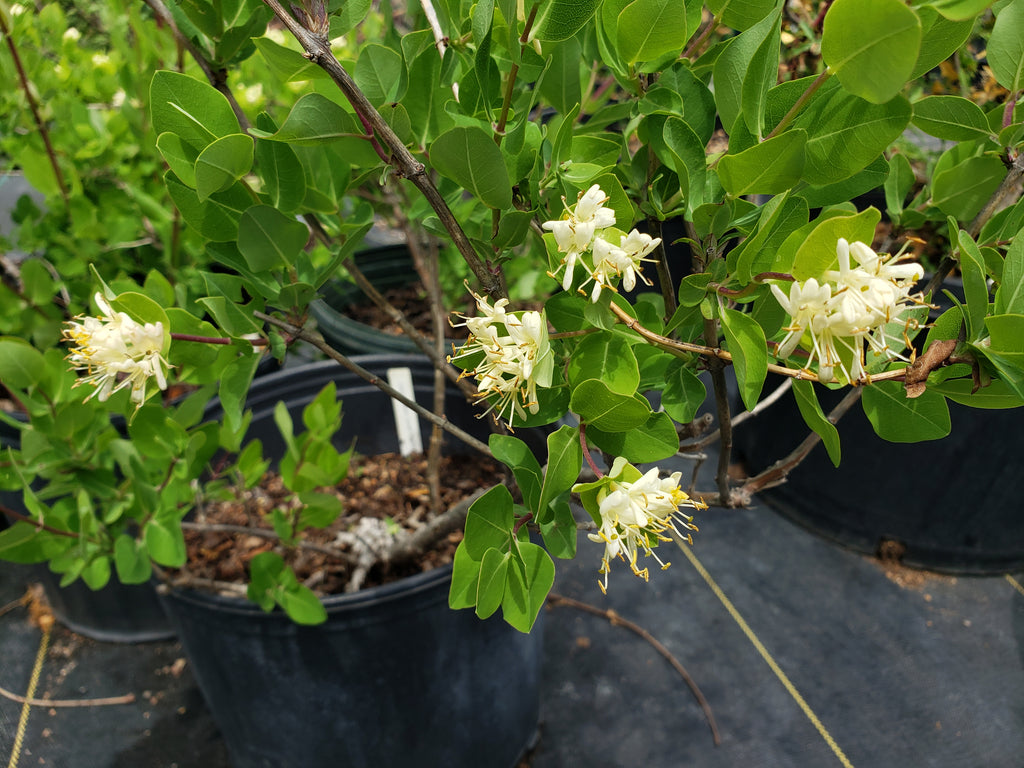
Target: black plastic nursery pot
pixel 385 266
pixel 950 505
pixel 394 677
pixel 116 613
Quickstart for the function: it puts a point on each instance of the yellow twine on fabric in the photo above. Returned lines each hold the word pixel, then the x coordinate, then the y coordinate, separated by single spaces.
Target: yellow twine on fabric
pixel 33 682
pixel 766 656
pixel 1015 584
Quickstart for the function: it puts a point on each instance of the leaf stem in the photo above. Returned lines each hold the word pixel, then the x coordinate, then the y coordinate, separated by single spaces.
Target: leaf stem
pixel 800 103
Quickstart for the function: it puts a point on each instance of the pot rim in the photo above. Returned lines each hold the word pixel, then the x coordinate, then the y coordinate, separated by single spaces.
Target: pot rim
pixel 335 605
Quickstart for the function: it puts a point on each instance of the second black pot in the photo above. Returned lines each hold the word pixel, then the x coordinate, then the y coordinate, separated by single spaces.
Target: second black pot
pixel 394 677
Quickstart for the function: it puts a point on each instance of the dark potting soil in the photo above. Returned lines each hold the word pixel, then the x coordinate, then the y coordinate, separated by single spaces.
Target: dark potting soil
pixel 387 487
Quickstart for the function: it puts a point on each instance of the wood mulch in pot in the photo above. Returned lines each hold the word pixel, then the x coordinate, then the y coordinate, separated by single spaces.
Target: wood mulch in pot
pixel 386 487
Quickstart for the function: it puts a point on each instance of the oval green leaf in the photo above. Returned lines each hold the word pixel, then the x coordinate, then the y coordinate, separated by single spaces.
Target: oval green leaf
pixel 872 46
pixel 469 157
pixel 222 163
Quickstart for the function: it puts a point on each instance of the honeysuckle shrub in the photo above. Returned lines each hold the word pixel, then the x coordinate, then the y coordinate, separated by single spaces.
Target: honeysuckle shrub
pixel 560 140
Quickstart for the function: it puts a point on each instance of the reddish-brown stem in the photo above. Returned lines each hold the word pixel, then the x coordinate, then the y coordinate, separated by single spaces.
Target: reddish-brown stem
pixel 586 451
pixel 33 106
pixel 215 339
pixel 11 514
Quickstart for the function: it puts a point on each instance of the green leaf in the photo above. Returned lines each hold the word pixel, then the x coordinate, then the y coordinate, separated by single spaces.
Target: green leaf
pixel 846 133
pixel 607 410
pixel 687 159
pixel 215 218
pixel 346 17
pixel 489 522
pixel 491 587
pixel 608 357
pixel 180 156
pixel 898 184
pixel 742 75
pixel 814 417
pixel 284 180
pixel 768 168
pixel 654 440
pixel 465 579
pixel 14 537
pixel 222 163
pixel 1006 46
pixel 559 532
pixel 380 74
pixel 269 239
pixel 962 191
pixel 900 419
pixel 749 353
pixel 972 266
pixel 778 219
pixel 684 393
pixel 315 120
pixel 195 111
pixel 302 605
pixel 562 19
pixel 940 38
pixel 131 561
pixel 166 545
pixel 741 14
pixel 950 117
pixel 1010 294
pixel 426 97
pixel 235 381
pixel 997 394
pixel 959 10
pixel 291 66
pixel 22 366
pixel 516 455
pixel 649 29
pixel 526 592
pixel 565 458
pixel 469 157
pixel 871 45
pixel 818 250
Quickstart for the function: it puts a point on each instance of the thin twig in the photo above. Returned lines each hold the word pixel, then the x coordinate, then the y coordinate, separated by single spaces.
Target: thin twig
pixel 741 417
pixel 33 107
pixel 776 474
pixel 394 314
pixel 128 698
pixel 415 544
pixel 671 345
pixel 266 533
pixel 616 620
pixel 318 341
pixel 318 50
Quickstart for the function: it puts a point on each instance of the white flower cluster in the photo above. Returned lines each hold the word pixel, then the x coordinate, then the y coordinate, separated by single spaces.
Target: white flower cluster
pixel 117 352
pixel 581 230
pixel 636 516
pixel 516 359
pixel 848 307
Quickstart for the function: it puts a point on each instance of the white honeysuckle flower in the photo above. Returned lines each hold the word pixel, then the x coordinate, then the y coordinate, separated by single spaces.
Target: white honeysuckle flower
pixel 71 35
pixel 517 357
pixel 807 306
pixel 117 352
pixel 849 308
pixel 590 208
pixel 637 515
pixel 574 234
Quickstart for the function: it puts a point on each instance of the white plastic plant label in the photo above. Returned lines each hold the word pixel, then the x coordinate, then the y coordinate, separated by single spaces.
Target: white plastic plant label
pixel 407 422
